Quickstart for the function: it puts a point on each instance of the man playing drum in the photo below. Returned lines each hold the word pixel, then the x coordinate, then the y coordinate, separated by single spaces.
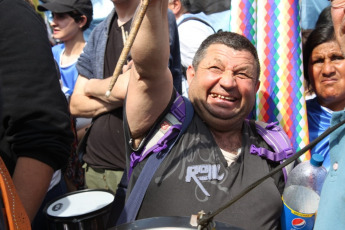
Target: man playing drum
pixel 211 162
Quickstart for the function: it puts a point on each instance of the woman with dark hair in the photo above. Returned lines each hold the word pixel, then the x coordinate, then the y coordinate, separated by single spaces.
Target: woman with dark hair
pixel 325 17
pixel 324 67
pixel 318 36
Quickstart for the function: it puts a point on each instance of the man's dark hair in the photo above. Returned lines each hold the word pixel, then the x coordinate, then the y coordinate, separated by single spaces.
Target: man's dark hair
pixel 325 17
pixel 230 39
pixel 208 6
pixel 186 5
pixel 78 17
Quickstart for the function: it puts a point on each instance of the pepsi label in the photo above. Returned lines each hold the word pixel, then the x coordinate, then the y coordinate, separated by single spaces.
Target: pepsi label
pixel 292 220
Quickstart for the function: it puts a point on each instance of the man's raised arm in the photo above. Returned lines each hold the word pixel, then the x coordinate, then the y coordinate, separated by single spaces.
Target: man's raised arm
pixel 151 84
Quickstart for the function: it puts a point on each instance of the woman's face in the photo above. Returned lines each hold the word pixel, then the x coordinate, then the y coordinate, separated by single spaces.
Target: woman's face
pixel 64 27
pixel 327 75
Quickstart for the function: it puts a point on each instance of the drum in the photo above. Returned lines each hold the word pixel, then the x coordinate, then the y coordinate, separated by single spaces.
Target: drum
pixel 81 210
pixel 171 222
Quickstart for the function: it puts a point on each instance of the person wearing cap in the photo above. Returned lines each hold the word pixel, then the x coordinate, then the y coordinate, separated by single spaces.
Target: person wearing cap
pixel 70 19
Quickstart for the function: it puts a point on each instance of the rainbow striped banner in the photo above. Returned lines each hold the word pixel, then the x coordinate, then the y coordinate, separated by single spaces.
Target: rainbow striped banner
pixel 243 18
pixel 274 27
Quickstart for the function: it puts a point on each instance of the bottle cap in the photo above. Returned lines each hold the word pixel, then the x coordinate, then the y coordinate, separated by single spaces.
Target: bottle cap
pixel 316 160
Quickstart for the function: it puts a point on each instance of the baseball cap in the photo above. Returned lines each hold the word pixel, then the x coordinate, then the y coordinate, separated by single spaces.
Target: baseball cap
pixel 63 6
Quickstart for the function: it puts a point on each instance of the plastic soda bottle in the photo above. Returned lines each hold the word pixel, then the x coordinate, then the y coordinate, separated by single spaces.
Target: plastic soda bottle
pixel 301 194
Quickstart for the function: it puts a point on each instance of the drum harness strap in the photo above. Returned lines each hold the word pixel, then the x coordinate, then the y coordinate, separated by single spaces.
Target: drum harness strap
pixel 14 214
pixel 183 112
pixel 163 140
pixel 278 140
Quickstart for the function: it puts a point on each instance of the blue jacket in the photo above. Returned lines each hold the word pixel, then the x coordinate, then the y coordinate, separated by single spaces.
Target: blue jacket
pixel 319 119
pixel 331 213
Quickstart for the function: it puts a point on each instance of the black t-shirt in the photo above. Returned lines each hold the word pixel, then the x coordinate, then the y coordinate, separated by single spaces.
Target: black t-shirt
pixel 105 145
pixel 195 176
pixel 114 45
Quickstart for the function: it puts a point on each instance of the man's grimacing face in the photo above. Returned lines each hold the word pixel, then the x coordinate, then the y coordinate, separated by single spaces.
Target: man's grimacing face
pixel 223 86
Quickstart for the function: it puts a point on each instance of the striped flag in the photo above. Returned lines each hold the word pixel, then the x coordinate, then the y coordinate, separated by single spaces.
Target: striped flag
pixel 274 28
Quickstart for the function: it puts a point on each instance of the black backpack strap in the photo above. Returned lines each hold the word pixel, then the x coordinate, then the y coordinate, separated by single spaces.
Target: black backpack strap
pixel 196 19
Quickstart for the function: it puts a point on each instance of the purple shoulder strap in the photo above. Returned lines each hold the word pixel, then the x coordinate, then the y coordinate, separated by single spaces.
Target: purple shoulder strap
pixel 278 140
pixel 169 128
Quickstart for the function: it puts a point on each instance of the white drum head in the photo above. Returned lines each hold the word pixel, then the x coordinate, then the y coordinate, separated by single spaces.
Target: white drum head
pixel 80 203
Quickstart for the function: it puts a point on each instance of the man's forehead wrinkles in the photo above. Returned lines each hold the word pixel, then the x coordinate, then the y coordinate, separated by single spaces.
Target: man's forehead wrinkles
pixel 215 60
pixel 243 66
pixel 241 60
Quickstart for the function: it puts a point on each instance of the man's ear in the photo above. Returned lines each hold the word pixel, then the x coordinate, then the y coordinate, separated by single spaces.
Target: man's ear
pixel 257 86
pixel 190 73
pixel 175 7
pixel 82 21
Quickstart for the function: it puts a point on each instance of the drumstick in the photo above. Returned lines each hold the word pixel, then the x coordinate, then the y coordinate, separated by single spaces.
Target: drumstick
pixel 133 33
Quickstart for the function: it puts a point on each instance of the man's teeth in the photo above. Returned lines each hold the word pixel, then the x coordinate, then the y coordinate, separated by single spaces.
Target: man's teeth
pixel 221 97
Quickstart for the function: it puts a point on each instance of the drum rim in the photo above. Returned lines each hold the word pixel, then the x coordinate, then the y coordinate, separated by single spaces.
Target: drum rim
pixel 81 217
pixel 162 222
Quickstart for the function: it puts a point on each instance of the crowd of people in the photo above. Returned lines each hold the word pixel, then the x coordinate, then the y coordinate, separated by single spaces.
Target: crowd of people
pixel 173 137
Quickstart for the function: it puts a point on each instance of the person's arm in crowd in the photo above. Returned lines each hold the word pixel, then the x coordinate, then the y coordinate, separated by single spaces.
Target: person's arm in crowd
pixel 35 126
pixel 30 187
pixel 83 105
pixel 151 84
pixel 89 100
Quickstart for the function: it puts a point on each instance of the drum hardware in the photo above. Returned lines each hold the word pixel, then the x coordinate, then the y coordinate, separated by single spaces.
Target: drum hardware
pixel 81 210
pixel 169 222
